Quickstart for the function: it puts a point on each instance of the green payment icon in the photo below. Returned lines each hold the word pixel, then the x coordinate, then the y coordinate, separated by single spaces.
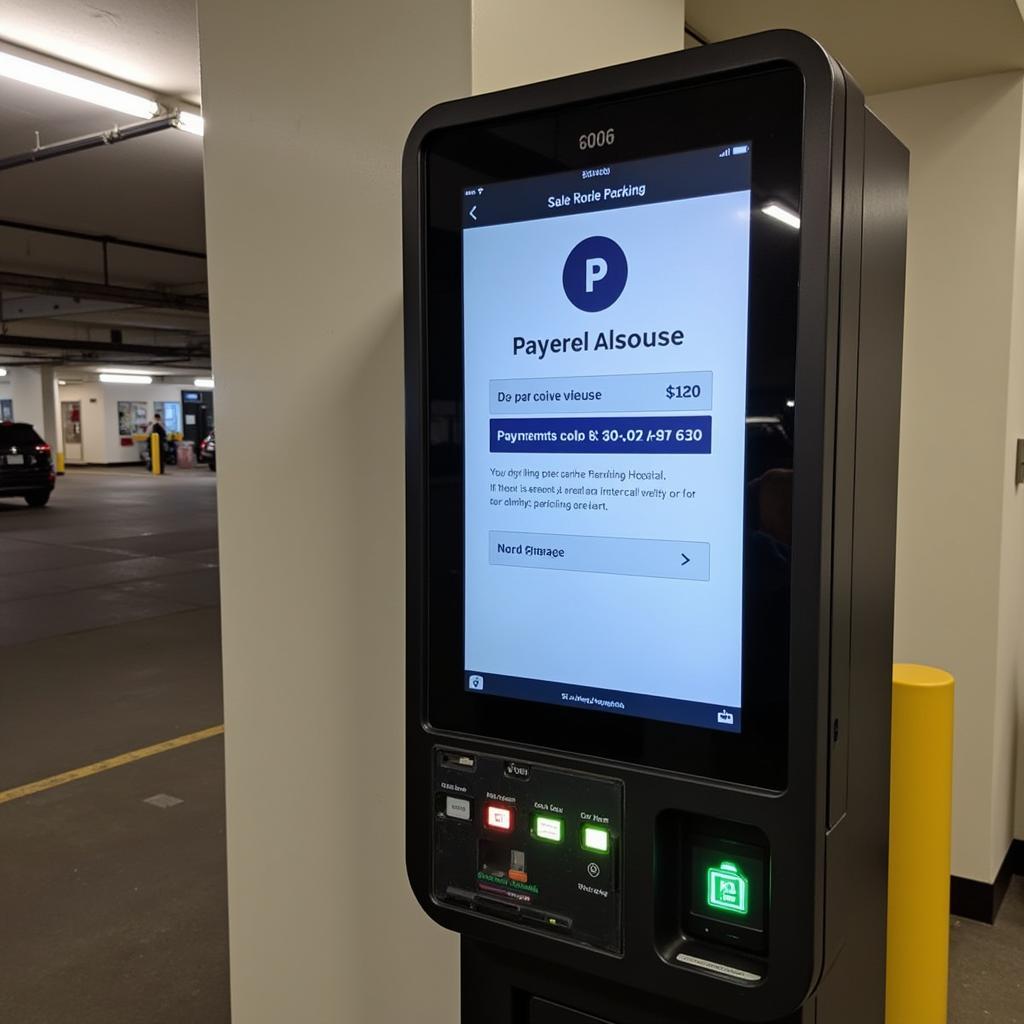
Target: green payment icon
pixel 728 889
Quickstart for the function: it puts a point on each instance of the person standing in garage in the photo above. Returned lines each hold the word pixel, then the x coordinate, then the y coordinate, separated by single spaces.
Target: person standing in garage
pixel 161 431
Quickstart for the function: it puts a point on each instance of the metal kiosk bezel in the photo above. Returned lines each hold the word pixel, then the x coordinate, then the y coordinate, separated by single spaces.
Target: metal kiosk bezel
pixel 807 823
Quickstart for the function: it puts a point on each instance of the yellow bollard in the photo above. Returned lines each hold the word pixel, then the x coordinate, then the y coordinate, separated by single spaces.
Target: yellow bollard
pixel 920 808
pixel 154 453
pixel 60 463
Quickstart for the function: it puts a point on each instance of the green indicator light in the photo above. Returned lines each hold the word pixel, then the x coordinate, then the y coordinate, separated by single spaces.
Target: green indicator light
pixel 728 889
pixel 547 828
pixel 596 839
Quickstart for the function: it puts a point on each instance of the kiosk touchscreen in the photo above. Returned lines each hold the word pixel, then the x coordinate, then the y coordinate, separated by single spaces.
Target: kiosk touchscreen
pixel 610 453
pixel 653 323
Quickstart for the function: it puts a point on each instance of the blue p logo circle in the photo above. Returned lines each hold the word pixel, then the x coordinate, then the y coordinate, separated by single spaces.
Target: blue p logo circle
pixel 594 274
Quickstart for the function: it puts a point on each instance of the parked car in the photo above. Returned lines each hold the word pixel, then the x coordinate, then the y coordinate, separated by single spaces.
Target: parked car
pixel 26 465
pixel 208 451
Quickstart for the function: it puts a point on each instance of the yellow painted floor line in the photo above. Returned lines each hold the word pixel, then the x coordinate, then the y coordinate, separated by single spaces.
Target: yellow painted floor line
pixel 75 774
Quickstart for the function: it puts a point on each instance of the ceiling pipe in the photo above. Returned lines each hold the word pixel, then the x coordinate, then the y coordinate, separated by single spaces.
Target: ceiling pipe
pixel 104 350
pixel 85 236
pixel 149 298
pixel 93 141
pixel 19 362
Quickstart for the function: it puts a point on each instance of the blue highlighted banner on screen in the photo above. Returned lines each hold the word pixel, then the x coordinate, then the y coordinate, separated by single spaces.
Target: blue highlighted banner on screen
pixel 607 435
pixel 619 556
pixel 630 392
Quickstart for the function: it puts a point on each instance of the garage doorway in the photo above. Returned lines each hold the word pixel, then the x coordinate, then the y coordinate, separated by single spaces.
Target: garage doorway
pixel 198 409
pixel 71 418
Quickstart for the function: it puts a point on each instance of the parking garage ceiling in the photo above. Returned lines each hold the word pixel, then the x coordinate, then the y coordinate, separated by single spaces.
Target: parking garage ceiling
pixel 150 189
pixel 122 301
pixel 151 43
pixel 886 44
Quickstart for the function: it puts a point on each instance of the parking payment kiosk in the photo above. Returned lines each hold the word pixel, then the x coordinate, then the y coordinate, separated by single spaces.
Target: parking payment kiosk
pixel 653 323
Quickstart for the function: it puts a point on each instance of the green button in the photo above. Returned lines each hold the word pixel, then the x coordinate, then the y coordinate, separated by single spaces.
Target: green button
pixel 728 889
pixel 596 839
pixel 548 828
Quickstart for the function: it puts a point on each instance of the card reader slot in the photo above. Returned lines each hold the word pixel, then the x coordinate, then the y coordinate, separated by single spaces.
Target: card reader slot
pixel 543 1012
pixel 500 908
pixel 490 905
pixel 457 760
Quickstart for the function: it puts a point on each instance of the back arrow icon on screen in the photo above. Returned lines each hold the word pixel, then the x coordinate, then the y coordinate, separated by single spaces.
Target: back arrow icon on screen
pixel 472 212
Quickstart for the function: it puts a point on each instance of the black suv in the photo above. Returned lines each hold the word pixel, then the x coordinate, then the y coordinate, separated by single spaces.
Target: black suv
pixel 26 467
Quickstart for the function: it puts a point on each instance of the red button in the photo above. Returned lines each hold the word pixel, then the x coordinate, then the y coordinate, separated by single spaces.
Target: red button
pixel 499 817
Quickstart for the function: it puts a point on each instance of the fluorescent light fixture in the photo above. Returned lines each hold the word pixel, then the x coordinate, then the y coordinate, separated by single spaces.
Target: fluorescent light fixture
pixel 125 378
pixel 781 213
pixel 62 383
pixel 790 404
pixel 136 371
pixel 191 123
pixel 45 76
pixel 203 382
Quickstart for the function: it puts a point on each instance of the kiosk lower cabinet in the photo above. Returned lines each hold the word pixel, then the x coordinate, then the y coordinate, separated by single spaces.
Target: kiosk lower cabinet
pixel 653 344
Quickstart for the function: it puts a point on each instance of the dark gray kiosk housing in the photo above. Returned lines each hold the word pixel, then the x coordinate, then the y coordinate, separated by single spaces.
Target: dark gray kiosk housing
pixel 653 344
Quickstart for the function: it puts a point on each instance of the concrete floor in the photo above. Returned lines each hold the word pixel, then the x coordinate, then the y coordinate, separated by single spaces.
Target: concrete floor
pixel 986 969
pixel 114 910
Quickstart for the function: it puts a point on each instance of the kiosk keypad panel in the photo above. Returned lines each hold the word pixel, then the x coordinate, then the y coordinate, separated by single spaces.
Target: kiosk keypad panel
pixel 531 844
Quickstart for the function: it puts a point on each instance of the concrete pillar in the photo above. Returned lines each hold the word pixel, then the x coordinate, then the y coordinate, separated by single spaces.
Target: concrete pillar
pixel 26 391
pixel 307 106
pixel 50 423
pixel 6 394
pixel 960 546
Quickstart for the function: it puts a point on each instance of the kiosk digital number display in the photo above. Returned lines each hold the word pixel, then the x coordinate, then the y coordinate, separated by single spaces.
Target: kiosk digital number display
pixel 605 358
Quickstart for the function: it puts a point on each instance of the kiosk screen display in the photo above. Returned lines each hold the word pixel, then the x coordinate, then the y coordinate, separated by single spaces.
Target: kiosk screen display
pixel 605 316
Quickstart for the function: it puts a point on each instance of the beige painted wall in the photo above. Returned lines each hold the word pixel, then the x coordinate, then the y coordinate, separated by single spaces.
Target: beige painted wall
pixel 96 431
pixel 93 412
pixel 101 439
pixel 960 557
pixel 1011 600
pixel 533 40
pixel 307 107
